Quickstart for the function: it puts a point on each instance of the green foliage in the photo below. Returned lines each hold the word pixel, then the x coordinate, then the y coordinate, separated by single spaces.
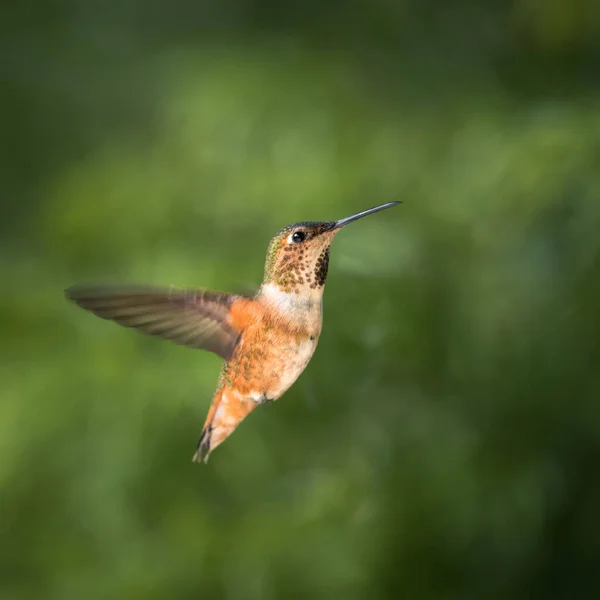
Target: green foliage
pixel 443 443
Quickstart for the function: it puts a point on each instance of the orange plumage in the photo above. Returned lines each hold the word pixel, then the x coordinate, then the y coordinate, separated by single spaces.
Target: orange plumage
pixel 266 341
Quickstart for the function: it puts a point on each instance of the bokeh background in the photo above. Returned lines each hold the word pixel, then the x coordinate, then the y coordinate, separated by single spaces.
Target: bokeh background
pixel 445 440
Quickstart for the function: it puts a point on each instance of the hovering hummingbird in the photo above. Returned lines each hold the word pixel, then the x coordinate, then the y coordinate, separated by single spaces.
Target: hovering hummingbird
pixel 266 340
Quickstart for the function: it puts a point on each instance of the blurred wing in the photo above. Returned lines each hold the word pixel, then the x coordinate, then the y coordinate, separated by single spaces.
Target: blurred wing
pixel 189 317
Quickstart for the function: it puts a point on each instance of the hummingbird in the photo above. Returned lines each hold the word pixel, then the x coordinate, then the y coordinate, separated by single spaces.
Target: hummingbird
pixel 267 339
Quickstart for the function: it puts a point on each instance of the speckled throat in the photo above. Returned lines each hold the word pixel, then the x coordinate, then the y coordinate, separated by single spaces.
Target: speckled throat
pixel 294 267
pixel 296 271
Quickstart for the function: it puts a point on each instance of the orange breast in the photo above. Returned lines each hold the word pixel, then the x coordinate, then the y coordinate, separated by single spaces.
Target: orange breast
pixel 272 352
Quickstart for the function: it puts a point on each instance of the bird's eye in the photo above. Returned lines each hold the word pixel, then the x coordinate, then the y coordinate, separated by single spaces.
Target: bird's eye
pixel 298 236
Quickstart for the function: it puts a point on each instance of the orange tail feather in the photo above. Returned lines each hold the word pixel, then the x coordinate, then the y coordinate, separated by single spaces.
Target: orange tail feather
pixel 226 412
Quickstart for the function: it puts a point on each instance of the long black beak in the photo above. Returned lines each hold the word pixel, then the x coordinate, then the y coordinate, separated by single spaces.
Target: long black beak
pixel 360 215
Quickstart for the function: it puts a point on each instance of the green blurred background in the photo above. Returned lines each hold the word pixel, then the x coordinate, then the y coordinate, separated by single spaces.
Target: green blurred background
pixel 445 440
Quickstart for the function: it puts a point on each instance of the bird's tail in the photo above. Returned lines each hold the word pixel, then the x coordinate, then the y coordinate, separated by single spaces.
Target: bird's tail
pixel 226 412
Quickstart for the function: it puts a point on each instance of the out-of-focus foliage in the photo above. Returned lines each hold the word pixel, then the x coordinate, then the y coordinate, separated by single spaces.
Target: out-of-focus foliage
pixel 445 440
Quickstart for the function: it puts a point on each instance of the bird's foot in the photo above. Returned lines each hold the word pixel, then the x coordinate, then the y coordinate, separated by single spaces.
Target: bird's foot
pixel 265 400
